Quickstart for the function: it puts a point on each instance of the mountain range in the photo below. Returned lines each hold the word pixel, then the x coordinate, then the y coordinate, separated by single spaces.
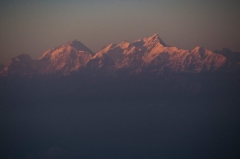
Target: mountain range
pixel 149 55
pixel 143 99
pixel 146 69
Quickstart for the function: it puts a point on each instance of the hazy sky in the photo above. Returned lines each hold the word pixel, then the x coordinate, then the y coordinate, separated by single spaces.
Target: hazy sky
pixel 36 26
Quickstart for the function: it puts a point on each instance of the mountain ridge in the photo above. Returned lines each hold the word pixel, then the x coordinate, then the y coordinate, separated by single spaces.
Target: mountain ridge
pixel 149 54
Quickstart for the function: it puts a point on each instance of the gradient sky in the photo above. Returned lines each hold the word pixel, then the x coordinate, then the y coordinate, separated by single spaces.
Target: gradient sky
pixel 36 26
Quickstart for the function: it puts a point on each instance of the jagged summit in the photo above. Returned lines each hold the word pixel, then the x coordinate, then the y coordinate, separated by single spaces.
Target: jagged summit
pixel 108 47
pixel 198 48
pixel 79 46
pixel 154 39
pixel 65 49
pixel 66 58
pixel 124 44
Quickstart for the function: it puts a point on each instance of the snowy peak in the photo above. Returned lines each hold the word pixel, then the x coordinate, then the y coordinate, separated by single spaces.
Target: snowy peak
pixel 202 52
pixel 70 47
pixel 154 39
pixel 124 44
pixel 79 46
pixel 66 58
pixel 198 49
pixel 108 47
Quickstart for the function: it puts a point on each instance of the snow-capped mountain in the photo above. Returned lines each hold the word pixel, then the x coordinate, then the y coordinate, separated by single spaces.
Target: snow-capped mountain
pixel 153 55
pixel 147 55
pixel 66 58
pixel 62 59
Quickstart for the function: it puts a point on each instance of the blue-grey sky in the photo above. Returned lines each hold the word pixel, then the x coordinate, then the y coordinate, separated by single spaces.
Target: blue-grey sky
pixel 33 27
